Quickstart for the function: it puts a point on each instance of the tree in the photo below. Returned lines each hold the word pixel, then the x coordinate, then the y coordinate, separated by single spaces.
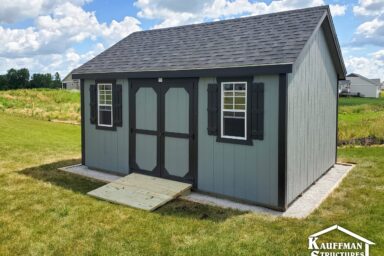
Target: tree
pixel 12 78
pixel 17 78
pixel 23 77
pixel 56 83
pixel 41 80
pixel 3 82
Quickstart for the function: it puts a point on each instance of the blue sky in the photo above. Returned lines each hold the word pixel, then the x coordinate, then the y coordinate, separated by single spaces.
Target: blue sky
pixel 59 35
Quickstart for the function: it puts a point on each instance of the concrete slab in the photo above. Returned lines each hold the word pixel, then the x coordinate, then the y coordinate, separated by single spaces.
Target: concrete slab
pixel 226 203
pixel 300 208
pixel 83 170
pixel 318 192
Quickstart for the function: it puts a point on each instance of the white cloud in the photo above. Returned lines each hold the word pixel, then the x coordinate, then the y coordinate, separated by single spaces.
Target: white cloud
pixel 48 45
pixel 66 26
pixel 379 55
pixel 50 63
pixel 371 67
pixel 337 9
pixel 118 30
pixel 175 12
pixel 370 32
pixel 16 10
pixel 369 7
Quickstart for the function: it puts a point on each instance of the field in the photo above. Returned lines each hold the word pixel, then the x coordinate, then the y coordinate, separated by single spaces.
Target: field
pixel 44 104
pixel 46 212
pixel 361 118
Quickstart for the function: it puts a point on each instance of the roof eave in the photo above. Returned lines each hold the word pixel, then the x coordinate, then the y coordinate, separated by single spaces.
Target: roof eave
pixel 337 45
pixel 326 23
pixel 230 71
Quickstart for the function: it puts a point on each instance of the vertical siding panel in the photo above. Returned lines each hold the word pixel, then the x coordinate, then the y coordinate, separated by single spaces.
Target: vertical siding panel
pixel 205 152
pixel 311 116
pixel 240 171
pixel 106 150
pixel 218 165
pixel 240 174
pixel 228 169
pixel 123 141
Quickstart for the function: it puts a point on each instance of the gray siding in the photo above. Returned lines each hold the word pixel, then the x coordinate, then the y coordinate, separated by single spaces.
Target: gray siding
pixel 240 171
pixel 312 94
pixel 107 150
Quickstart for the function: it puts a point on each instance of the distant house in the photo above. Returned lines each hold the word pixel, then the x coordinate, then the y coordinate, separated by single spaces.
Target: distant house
pixel 344 87
pixel 243 108
pixel 363 87
pixel 69 83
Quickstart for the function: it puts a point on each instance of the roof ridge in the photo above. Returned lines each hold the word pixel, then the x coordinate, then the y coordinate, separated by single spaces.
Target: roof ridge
pixel 362 77
pixel 325 7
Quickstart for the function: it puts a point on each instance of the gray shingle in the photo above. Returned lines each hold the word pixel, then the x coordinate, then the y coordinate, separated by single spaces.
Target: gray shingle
pixel 269 39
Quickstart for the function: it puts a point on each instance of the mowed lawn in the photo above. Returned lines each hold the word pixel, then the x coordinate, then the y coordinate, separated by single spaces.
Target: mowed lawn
pixel 46 212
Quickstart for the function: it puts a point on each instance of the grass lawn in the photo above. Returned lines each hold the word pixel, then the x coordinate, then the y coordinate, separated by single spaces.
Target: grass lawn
pixel 361 118
pixel 46 212
pixel 45 104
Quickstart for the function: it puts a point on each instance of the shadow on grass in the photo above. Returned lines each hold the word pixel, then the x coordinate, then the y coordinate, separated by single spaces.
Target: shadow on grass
pixel 177 208
pixel 50 173
pixel 191 210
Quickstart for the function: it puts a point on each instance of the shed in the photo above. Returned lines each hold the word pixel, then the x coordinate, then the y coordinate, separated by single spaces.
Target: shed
pixel 363 86
pixel 69 83
pixel 243 108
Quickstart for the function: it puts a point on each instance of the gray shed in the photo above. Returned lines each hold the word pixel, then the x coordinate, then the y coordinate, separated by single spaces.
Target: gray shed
pixel 243 108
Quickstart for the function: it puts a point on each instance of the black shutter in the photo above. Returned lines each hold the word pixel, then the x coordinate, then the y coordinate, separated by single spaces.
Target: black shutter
pixel 93 103
pixel 257 115
pixel 118 105
pixel 213 111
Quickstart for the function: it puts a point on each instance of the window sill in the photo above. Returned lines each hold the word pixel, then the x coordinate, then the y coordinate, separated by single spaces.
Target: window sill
pixel 235 141
pixel 106 128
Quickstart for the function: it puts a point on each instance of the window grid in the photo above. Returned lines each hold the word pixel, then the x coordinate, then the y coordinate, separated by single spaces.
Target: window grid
pixel 234 105
pixel 104 96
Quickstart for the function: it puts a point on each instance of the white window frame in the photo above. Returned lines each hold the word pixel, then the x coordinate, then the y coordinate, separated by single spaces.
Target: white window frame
pixel 104 105
pixel 222 110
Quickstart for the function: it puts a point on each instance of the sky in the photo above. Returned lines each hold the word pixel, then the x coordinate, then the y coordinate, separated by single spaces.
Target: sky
pixel 46 36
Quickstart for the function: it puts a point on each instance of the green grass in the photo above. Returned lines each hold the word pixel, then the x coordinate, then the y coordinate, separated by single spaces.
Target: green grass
pixel 358 117
pixel 361 118
pixel 44 104
pixel 46 212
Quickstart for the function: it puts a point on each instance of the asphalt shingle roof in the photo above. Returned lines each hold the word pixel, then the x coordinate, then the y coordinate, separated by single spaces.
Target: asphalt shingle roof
pixel 269 39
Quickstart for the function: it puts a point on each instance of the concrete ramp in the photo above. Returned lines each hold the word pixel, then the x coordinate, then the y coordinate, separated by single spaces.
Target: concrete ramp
pixel 141 191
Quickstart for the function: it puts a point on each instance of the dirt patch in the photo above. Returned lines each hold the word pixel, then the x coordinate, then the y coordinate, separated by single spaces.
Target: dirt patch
pixel 367 141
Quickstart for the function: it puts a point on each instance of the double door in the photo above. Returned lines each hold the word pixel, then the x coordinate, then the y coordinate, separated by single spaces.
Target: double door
pixel 163 118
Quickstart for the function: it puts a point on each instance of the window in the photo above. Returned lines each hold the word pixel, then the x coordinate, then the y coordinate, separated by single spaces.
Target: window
pixel 234 110
pixel 104 105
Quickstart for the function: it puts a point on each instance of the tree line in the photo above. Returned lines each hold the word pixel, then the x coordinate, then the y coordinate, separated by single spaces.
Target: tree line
pixel 21 79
